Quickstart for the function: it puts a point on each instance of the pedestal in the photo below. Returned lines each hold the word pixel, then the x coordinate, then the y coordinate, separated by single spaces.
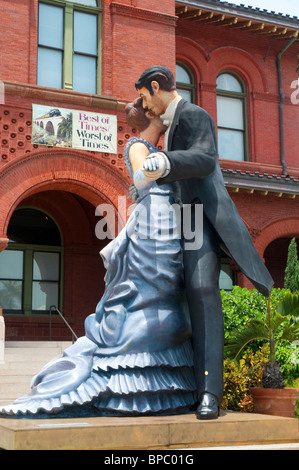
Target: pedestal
pixel 150 433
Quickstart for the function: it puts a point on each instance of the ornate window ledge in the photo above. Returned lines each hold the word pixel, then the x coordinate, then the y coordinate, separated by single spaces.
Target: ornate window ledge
pixel 59 95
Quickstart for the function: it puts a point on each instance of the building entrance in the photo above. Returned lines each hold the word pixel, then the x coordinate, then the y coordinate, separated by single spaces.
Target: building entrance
pixel 52 258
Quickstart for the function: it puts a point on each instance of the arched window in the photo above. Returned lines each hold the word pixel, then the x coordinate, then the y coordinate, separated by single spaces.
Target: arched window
pixel 31 266
pixel 185 83
pixel 231 117
pixel 227 278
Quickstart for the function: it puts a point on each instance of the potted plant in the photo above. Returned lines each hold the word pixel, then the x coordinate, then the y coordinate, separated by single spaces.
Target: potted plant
pixel 273 397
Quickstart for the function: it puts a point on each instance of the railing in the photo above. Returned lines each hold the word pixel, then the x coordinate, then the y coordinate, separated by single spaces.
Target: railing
pixel 52 309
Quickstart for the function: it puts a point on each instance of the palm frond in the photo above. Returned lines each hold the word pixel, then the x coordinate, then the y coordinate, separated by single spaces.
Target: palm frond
pixel 274 322
pixel 254 330
pixel 289 305
pixel 290 333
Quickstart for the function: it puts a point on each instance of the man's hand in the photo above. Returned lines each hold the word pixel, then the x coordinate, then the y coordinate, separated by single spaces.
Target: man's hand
pixel 155 166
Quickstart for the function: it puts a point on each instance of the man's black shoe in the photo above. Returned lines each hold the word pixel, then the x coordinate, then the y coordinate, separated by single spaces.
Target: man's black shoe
pixel 208 407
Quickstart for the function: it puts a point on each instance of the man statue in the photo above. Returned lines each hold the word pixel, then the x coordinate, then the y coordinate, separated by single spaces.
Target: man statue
pixel 190 163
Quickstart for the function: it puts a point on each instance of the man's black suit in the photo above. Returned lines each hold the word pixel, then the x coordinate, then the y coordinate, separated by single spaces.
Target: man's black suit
pixel 197 178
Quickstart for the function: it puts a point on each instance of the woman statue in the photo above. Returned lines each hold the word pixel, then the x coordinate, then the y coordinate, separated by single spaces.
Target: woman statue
pixel 136 356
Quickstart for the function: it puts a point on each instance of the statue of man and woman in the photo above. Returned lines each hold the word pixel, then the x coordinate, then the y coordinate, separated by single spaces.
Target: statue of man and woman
pixel 146 350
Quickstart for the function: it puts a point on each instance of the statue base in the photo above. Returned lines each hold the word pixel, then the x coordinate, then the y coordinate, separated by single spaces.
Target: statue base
pixel 183 432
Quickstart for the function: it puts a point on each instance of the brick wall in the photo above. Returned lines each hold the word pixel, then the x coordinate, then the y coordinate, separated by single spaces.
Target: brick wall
pixel 208 50
pixel 18 24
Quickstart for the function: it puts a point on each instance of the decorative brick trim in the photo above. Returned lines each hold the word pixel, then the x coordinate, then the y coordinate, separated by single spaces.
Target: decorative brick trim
pixel 209 87
pixel 271 97
pixel 56 95
pixel 76 171
pixel 142 14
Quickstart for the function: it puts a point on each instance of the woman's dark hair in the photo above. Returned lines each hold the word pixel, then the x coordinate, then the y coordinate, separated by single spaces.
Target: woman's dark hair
pixel 135 115
pixel 160 74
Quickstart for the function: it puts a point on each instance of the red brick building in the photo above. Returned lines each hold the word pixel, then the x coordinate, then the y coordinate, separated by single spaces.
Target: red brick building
pixel 239 63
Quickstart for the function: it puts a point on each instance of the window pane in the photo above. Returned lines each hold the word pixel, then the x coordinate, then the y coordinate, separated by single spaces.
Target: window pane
pixel 231 144
pixel 84 74
pixel 182 75
pixel 44 294
pixel 49 69
pixel 226 277
pixel 85 33
pixel 89 3
pixel 50 26
pixel 228 82
pixel 11 264
pixel 46 266
pixel 11 295
pixel 186 94
pixel 230 112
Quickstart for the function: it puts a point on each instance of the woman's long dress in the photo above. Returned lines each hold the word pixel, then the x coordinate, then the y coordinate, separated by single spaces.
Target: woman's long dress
pixel 136 355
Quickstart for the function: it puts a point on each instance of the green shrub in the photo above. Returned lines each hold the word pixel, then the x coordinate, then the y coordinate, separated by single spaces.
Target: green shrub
pixel 240 306
pixel 240 376
pixel 291 279
pixel 288 367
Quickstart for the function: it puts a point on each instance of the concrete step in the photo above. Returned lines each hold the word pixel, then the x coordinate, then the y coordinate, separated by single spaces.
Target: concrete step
pixel 13 348
pixel 13 391
pixel 19 368
pixel 23 360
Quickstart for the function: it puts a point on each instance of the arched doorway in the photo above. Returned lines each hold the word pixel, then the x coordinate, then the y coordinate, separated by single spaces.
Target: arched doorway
pixel 67 187
pixel 52 259
pixel 31 267
pixel 276 255
pixel 272 243
pixel 76 172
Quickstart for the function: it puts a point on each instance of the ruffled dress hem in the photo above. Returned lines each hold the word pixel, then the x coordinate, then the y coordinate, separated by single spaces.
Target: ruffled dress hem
pixel 128 385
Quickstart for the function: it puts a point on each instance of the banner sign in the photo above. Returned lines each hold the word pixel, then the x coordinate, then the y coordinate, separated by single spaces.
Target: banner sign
pixel 69 128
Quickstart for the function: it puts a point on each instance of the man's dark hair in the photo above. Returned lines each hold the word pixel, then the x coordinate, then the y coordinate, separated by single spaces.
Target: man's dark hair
pixel 160 74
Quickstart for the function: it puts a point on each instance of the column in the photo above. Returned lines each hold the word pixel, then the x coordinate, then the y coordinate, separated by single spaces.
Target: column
pixel 2 337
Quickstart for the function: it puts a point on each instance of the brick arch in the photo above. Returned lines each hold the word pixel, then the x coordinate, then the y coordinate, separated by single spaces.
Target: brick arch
pixel 58 169
pixel 194 56
pixel 62 206
pixel 282 228
pixel 239 61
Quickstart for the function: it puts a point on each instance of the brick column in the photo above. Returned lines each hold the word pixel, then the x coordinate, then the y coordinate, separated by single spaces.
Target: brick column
pixel 3 243
pixel 2 337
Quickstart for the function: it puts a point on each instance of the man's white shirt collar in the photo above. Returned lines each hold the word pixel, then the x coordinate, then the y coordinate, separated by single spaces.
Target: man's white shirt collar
pixel 168 116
